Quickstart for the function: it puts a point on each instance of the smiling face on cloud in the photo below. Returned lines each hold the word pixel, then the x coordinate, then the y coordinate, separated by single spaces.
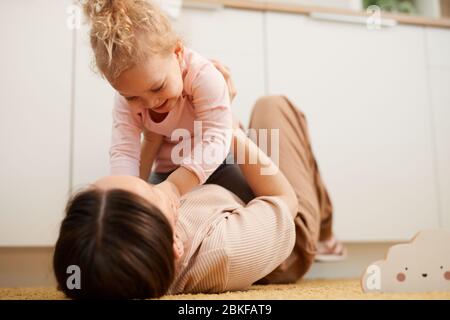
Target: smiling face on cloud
pixel 418 266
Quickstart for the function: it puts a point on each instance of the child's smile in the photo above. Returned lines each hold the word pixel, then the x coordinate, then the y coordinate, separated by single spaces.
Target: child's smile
pixel 155 84
pixel 165 107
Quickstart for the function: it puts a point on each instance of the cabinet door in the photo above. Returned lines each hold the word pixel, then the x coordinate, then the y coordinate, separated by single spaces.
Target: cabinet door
pixel 365 94
pixel 92 116
pixel 35 82
pixel 439 67
pixel 234 37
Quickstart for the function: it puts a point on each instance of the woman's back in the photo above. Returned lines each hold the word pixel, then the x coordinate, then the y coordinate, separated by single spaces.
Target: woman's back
pixel 227 245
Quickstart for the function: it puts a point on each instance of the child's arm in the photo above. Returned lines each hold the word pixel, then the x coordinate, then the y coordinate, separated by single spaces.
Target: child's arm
pixel 213 123
pixel 217 117
pixel 126 139
pixel 149 149
pixel 184 180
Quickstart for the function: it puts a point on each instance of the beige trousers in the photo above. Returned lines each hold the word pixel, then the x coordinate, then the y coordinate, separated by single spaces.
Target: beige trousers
pixel 297 162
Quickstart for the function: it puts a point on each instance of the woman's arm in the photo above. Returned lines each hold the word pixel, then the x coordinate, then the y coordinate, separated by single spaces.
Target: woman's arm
pixel 274 184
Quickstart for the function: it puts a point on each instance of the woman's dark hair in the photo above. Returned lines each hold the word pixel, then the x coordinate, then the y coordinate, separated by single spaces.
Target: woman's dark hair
pixel 122 244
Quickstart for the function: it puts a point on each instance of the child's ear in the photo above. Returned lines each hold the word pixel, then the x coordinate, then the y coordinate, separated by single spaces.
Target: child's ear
pixel 179 50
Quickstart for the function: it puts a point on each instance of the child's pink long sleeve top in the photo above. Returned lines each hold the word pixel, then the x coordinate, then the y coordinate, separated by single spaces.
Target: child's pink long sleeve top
pixel 205 98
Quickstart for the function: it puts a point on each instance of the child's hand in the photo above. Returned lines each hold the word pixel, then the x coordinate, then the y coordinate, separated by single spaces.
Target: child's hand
pixel 227 76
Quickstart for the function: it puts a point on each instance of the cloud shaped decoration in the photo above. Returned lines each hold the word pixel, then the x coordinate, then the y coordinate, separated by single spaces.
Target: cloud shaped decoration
pixel 422 265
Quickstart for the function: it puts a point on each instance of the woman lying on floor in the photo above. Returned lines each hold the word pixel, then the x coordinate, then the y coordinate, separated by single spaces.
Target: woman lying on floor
pixel 130 242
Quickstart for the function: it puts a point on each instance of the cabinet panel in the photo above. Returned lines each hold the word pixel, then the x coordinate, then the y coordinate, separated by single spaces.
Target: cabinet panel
pixel 438 42
pixel 35 96
pixel 366 97
pixel 440 90
pixel 438 49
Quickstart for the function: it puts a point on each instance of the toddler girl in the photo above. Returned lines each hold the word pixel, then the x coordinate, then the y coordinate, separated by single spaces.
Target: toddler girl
pixel 161 86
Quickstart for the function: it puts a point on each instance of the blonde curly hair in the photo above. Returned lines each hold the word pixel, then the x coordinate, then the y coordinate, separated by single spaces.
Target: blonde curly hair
pixel 125 32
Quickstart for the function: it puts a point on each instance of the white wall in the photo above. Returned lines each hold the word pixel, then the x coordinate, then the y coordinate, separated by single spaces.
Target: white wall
pixel 365 95
pixel 92 116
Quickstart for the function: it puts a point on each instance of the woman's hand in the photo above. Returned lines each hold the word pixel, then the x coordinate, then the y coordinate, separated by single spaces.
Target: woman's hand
pixel 227 76
pixel 231 89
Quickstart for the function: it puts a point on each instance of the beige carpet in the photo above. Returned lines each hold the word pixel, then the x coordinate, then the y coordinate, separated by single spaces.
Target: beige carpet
pixel 305 289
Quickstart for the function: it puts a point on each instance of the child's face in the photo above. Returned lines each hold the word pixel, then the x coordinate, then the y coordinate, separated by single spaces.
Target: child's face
pixel 156 84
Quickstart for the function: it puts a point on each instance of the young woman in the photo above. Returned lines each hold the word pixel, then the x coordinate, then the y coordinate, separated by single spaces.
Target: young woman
pixel 131 242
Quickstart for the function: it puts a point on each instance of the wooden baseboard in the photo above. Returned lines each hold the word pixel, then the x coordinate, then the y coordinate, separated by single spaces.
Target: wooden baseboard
pixel 26 267
pixel 32 267
pixel 445 8
pixel 360 256
pixel 274 6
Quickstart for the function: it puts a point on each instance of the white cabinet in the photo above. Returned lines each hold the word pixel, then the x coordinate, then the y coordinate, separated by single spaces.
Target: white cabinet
pixel 377 102
pixel 92 116
pixel 35 81
pixel 234 37
pixel 365 94
pixel 438 48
